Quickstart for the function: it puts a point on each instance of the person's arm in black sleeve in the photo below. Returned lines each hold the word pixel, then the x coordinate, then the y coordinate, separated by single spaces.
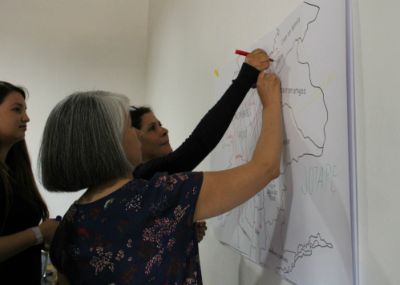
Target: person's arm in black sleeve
pixel 207 133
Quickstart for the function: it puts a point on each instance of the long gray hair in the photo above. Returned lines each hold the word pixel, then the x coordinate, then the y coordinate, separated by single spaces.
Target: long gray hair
pixel 82 141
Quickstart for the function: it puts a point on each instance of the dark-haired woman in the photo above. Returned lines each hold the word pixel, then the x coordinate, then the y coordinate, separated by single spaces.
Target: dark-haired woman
pixel 21 206
pixel 157 152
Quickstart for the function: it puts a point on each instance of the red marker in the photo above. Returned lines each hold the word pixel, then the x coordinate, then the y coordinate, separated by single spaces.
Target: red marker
pixel 245 53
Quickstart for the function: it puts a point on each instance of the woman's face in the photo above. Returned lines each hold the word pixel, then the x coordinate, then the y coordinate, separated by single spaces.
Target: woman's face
pixel 154 137
pixel 13 119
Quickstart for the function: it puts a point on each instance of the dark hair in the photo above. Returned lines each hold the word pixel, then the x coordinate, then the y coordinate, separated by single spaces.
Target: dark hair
pixel 136 114
pixel 82 142
pixel 17 169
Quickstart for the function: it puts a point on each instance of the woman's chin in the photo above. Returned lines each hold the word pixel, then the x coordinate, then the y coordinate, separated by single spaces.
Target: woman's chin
pixel 167 149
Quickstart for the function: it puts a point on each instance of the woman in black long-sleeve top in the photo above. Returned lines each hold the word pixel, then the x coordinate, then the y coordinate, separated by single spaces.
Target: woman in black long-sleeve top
pixel 156 151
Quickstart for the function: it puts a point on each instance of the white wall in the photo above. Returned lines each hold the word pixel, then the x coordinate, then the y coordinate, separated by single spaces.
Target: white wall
pixel 378 99
pixel 54 48
pixel 189 38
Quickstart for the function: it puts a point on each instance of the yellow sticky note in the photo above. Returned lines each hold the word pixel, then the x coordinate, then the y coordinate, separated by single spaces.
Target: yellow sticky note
pixel 216 72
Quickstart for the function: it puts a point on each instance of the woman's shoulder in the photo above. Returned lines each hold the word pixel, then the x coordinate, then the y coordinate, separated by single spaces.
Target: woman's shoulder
pixel 165 180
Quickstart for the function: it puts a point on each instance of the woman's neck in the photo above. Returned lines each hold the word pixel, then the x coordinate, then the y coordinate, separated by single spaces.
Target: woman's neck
pixel 95 193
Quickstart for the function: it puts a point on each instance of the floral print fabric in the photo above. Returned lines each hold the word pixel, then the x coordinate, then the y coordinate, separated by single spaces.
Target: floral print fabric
pixel 143 233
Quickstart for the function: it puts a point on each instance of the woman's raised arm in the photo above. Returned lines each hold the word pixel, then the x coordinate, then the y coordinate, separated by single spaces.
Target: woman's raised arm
pixel 224 190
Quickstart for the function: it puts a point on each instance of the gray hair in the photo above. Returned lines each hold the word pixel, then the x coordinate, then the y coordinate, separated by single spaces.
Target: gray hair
pixel 82 141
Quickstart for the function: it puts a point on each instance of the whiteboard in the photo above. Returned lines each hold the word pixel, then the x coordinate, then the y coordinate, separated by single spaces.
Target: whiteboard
pixel 302 224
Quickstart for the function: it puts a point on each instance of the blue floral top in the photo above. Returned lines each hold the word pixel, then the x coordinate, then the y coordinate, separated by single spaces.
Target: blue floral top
pixel 141 234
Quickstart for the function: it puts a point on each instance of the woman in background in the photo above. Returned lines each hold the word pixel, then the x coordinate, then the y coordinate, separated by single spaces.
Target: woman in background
pixel 125 230
pixel 157 153
pixel 21 206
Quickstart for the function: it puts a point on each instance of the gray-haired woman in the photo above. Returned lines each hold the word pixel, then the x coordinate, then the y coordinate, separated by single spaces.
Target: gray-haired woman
pixel 133 231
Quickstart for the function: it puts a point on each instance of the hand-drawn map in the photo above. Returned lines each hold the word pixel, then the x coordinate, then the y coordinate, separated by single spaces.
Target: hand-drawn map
pixel 300 224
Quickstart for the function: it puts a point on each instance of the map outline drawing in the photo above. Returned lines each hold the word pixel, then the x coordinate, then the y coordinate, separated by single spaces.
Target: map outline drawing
pixel 259 228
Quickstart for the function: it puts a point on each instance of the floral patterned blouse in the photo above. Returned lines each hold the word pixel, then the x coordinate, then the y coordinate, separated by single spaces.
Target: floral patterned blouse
pixel 143 233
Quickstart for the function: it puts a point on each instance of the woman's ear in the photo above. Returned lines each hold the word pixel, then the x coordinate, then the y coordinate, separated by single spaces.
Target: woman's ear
pixel 139 133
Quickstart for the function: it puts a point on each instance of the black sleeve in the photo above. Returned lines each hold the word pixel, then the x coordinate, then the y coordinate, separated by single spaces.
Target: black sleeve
pixel 207 133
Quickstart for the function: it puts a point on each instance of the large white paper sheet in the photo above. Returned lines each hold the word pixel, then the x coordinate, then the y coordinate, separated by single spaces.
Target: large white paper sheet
pixel 300 224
